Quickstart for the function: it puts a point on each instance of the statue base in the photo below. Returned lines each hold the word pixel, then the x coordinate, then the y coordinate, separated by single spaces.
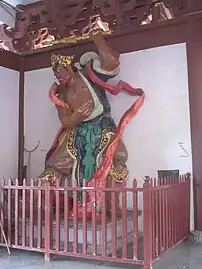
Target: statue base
pixel 99 231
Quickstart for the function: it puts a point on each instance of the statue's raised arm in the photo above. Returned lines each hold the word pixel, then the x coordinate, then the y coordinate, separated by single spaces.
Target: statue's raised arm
pixel 105 63
pixel 109 57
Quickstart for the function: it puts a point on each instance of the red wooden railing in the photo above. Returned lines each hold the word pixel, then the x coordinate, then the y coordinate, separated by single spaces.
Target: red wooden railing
pixel 33 220
pixel 170 212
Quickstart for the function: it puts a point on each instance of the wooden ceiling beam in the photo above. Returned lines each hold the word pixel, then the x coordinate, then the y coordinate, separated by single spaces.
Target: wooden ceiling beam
pixel 147 36
pixel 9 60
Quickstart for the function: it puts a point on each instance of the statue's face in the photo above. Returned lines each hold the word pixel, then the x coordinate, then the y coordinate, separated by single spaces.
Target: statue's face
pixel 64 75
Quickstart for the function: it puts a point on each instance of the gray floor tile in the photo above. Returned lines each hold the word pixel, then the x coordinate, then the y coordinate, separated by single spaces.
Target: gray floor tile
pixel 187 256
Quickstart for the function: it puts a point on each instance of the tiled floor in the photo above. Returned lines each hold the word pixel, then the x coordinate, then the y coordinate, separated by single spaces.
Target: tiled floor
pixel 186 256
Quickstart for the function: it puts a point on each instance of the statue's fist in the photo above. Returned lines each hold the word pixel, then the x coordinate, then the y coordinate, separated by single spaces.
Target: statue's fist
pixel 85 110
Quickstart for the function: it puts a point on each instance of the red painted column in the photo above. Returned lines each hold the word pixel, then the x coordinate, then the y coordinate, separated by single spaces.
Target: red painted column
pixel 21 122
pixel 194 62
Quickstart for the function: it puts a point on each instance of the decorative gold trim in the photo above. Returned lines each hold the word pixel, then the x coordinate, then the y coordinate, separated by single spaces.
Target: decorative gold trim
pixel 104 143
pixel 119 176
pixel 70 144
pixel 48 176
pixel 72 39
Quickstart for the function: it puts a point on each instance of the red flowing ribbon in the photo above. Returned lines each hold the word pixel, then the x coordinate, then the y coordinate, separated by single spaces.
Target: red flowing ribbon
pixel 53 97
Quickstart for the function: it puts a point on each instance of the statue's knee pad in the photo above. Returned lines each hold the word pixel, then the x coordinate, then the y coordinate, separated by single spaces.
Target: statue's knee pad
pixel 49 175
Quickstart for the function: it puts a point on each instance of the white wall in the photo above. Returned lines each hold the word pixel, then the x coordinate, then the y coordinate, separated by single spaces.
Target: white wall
pixel 153 136
pixel 9 123
pixel 41 121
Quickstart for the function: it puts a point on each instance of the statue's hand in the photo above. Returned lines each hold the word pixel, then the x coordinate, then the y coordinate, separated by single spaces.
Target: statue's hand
pixel 84 111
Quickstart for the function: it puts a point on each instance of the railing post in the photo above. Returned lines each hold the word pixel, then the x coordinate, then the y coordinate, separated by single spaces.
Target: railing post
pixel 47 226
pixel 188 178
pixel 147 223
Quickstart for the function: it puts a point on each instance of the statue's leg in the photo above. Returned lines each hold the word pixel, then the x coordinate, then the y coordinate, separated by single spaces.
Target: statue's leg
pixel 53 177
pixel 117 175
pixel 58 168
pixel 50 175
pixel 111 183
pixel 61 162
